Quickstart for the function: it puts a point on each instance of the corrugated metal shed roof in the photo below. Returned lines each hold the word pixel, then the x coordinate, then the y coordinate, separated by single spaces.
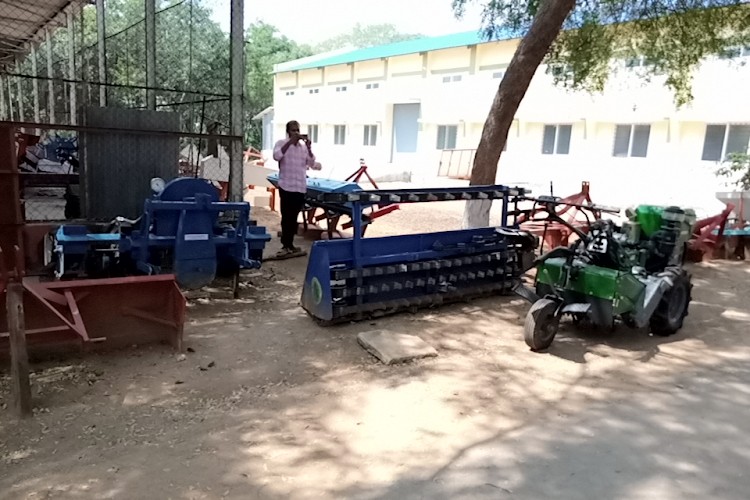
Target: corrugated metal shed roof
pixel 390 50
pixel 23 21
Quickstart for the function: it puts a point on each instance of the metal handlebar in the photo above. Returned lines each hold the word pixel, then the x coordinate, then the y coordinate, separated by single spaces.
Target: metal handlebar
pixel 549 200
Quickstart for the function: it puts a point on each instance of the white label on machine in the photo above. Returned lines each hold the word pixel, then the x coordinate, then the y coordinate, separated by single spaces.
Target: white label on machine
pixel 196 237
pixel 598 244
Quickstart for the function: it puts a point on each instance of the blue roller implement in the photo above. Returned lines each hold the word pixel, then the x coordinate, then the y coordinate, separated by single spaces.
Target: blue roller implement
pixel 357 278
pixel 318 189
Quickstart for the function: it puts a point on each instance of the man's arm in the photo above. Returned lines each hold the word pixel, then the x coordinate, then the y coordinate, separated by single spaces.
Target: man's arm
pixel 310 160
pixel 280 149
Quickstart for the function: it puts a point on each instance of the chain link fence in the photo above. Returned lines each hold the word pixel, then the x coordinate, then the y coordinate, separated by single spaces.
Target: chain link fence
pixel 95 120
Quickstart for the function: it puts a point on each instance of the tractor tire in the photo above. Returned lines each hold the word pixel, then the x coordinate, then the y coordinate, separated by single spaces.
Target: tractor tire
pixel 541 324
pixel 671 311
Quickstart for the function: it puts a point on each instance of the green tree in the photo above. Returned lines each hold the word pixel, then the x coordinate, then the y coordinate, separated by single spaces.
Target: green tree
pixel 265 47
pixel 365 36
pixel 736 168
pixel 192 54
pixel 584 35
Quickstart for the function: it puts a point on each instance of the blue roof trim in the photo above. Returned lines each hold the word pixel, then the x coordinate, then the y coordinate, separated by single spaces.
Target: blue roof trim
pixel 395 49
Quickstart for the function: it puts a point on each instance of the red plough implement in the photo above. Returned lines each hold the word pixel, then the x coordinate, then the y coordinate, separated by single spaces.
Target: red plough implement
pixel 554 234
pixel 377 210
pixel 315 214
pixel 708 235
pixel 97 313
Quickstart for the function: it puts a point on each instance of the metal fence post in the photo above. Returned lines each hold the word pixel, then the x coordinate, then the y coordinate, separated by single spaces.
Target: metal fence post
pixel 19 370
pixel 236 92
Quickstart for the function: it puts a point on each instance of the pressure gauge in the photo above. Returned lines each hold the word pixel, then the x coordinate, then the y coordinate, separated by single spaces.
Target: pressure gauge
pixel 157 185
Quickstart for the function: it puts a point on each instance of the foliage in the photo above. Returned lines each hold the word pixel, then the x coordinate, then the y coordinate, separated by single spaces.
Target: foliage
pixel 365 36
pixel 672 35
pixel 737 169
pixel 192 56
pixel 265 47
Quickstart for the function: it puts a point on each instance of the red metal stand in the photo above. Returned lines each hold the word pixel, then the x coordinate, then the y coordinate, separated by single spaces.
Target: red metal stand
pixel 554 234
pixel 114 312
pixel 11 215
pixel 371 214
pixel 708 236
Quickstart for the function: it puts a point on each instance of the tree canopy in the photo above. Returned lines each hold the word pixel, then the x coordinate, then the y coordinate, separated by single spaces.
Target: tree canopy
pixel 265 47
pixel 582 37
pixel 365 36
pixel 673 36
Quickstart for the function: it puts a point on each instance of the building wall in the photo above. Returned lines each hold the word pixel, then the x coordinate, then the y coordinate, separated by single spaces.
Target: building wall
pixel 455 87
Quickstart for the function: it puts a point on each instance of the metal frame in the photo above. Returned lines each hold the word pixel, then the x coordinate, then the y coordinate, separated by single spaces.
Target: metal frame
pixel 87 312
pixel 361 199
pixel 348 279
pixel 142 241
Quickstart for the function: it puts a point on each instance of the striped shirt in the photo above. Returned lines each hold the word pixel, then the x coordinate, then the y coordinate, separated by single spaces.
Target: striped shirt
pixel 293 166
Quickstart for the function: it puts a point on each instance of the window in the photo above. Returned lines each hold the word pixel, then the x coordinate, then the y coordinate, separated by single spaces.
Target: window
pixel 314 91
pixel 639 62
pixel 371 86
pixel 341 88
pixel 446 136
pixel 289 92
pixel 339 134
pixel 718 144
pixel 371 135
pixel 559 70
pixel 631 140
pixel 312 133
pixel 454 78
pixel 556 139
pixel 735 52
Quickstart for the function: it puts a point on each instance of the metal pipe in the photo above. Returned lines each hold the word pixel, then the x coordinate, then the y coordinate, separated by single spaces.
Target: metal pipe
pixel 122 86
pixel 10 99
pixel 3 109
pixel 72 69
pixel 236 92
pixel 150 6
pixel 35 86
pixel 357 236
pixel 101 49
pixel 116 130
pixel 50 82
pixel 19 96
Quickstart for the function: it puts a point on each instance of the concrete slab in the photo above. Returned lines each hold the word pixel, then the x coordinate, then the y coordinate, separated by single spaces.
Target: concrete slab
pixel 391 347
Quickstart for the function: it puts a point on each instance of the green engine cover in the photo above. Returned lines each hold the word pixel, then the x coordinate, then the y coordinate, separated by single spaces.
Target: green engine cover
pixel 621 288
pixel 649 218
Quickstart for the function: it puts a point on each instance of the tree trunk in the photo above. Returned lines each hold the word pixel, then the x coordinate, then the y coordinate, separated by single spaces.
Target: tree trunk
pixel 529 55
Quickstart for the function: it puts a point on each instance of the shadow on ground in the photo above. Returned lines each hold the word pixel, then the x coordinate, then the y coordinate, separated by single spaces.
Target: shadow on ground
pixel 269 405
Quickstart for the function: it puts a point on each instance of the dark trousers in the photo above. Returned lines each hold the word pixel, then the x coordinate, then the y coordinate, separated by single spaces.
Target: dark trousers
pixel 291 205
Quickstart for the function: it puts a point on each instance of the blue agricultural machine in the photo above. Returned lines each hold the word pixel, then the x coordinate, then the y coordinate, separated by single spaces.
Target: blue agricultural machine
pixel 352 279
pixel 184 230
pixel 318 208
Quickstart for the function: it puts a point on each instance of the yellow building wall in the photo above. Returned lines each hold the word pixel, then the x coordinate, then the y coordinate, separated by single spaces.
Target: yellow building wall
pixel 449 59
pixel 338 73
pixel 311 77
pixel 369 69
pixel 404 64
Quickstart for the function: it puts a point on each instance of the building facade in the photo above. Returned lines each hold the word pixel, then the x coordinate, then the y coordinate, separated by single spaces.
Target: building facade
pixel 415 110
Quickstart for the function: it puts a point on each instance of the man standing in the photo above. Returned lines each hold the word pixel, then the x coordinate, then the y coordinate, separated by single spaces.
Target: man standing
pixel 294 160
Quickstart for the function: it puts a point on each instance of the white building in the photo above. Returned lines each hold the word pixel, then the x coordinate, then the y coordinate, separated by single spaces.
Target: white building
pixel 416 109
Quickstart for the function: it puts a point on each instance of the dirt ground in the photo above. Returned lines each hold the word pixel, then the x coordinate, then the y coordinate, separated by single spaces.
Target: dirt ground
pixel 269 405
